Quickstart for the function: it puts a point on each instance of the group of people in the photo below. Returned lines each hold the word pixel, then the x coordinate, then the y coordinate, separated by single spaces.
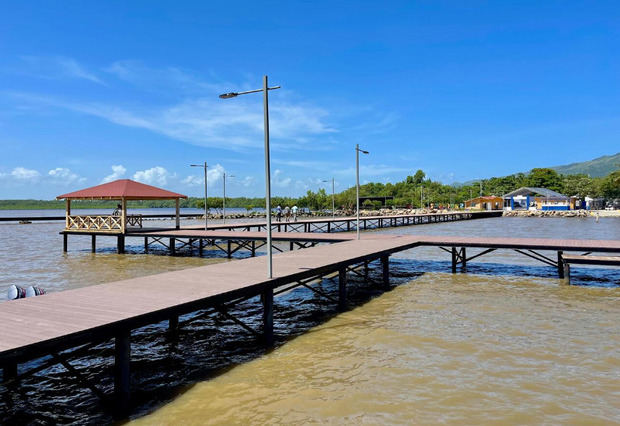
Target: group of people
pixel 287 213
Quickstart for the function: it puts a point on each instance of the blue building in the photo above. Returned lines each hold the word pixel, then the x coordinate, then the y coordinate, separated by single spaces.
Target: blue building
pixel 529 198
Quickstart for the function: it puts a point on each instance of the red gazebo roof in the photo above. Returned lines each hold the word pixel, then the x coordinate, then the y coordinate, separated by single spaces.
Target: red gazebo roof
pixel 122 188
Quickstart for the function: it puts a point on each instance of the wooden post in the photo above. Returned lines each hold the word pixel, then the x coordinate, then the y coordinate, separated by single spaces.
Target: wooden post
pixel 172 246
pixel 177 216
pixel 200 246
pixel 385 264
pixel 68 213
pixel 454 260
pixel 228 254
pixel 65 237
pixel 329 227
pixel 173 325
pixel 120 244
pixel 253 248
pixel 146 244
pixel 267 299
pixel 291 246
pixel 123 215
pixel 122 374
pixel 342 289
pixel 560 265
pixel 93 243
pixel 9 372
pixel 464 258
pixel 566 273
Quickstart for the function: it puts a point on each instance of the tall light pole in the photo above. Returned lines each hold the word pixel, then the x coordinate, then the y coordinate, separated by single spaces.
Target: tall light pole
pixel 265 91
pixel 357 185
pixel 204 166
pixel 224 198
pixel 333 197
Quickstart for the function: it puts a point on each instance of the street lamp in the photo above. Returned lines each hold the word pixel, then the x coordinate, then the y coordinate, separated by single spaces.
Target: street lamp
pixel 224 199
pixel 333 197
pixel 357 185
pixel 204 166
pixel 265 91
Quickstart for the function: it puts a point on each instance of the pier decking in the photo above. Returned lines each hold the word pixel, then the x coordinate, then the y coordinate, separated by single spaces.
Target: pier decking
pixel 46 325
pixel 307 226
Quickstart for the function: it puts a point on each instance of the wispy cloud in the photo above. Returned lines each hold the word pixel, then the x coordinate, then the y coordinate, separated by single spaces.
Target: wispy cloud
pixel 57 67
pixel 205 122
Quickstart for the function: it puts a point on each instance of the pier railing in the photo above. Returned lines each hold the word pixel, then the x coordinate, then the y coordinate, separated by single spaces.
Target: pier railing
pixel 103 223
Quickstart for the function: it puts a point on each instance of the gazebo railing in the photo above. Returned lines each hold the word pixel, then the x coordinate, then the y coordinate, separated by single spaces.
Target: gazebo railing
pixel 101 223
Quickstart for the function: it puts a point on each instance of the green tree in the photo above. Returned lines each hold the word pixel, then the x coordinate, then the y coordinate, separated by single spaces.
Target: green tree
pixel 610 185
pixel 545 178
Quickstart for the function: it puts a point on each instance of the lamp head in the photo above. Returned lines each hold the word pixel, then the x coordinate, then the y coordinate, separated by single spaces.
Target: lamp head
pixel 229 95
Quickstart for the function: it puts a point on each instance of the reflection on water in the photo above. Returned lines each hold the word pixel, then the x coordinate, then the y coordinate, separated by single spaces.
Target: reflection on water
pixel 505 343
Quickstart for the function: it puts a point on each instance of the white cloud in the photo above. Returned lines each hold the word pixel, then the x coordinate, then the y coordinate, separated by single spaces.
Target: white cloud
pixel 234 124
pixel 58 67
pixel 280 181
pixel 118 172
pixel 154 176
pixel 214 174
pixel 25 175
pixel 65 176
pixel 247 181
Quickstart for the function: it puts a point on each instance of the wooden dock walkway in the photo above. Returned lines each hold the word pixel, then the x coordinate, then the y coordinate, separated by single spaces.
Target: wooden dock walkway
pixel 46 325
pixel 231 242
pixel 307 226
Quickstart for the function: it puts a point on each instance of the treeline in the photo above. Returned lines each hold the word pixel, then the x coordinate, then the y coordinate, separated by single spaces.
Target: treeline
pixel 416 191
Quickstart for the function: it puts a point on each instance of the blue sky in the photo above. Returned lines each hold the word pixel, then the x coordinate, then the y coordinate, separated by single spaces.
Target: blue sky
pixel 93 91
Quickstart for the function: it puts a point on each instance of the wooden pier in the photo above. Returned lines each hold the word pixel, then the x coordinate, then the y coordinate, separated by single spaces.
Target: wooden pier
pixel 318 225
pixel 78 319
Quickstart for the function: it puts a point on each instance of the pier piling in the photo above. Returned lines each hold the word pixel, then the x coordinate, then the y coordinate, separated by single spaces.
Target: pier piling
pixel 267 299
pixel 93 243
pixel 385 265
pixel 122 374
pixel 65 237
pixel 560 265
pixel 120 244
pixel 9 372
pixel 342 289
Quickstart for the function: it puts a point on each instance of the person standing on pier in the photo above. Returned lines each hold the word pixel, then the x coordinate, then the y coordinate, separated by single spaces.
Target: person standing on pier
pixel 278 213
pixel 287 214
pixel 294 211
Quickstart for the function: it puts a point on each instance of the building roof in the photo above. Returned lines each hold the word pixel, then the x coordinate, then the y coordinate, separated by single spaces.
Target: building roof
pixel 485 198
pixel 122 188
pixel 527 190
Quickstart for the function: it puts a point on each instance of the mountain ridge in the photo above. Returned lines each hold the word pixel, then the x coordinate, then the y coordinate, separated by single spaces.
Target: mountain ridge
pixel 597 167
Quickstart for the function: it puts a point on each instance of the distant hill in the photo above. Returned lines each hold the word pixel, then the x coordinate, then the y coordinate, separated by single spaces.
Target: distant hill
pixel 598 167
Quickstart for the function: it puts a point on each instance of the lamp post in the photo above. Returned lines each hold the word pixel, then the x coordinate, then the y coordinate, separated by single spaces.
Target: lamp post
pixel 224 198
pixel 333 197
pixel 357 185
pixel 204 166
pixel 265 91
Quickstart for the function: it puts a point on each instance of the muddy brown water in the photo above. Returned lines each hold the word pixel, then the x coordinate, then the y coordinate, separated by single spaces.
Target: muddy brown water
pixel 506 343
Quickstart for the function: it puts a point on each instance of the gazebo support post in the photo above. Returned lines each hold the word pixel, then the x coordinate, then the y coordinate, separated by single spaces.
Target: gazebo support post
pixel 123 215
pixel 68 212
pixel 178 217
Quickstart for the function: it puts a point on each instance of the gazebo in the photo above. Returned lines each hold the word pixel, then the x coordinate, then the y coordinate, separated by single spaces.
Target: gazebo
pixel 117 222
